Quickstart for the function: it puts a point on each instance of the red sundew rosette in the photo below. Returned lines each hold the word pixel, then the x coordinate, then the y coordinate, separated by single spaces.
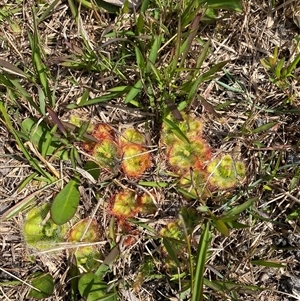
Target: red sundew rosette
pixel 103 131
pixel 124 204
pixel 135 161
pixel 182 155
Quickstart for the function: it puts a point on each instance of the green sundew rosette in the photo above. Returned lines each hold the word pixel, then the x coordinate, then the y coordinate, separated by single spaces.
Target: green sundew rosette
pixel 40 234
pixel 191 127
pixel 106 154
pixel 184 155
pixel 87 256
pixel 224 172
pixel 131 135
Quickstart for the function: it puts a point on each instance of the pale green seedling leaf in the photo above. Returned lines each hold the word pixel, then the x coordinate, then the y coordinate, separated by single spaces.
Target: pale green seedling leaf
pixel 65 203
pixel 44 284
pixel 221 226
pixel 293 65
pixel 224 4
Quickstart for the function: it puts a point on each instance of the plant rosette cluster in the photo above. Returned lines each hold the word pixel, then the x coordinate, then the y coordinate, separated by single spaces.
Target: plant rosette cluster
pixel 41 232
pixel 189 156
pixel 85 230
pixel 128 203
pixel 127 149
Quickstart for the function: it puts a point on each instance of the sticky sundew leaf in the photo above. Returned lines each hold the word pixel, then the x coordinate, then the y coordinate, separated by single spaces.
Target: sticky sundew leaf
pixel 225 173
pixel 135 160
pixel 190 127
pixel 182 156
pixel 132 135
pixel 40 233
pixel 106 154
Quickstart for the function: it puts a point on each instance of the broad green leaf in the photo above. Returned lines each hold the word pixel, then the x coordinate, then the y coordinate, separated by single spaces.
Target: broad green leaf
pixel 93 169
pixel 268 263
pixel 65 203
pixel 279 67
pixel 240 208
pixel 92 287
pixel 154 51
pixel 31 160
pixel 44 284
pixel 139 59
pixel 204 243
pixel 264 127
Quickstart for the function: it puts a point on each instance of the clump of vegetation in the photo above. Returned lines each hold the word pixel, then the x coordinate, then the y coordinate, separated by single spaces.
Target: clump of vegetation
pixel 85 230
pixel 190 157
pixel 225 173
pixel 40 231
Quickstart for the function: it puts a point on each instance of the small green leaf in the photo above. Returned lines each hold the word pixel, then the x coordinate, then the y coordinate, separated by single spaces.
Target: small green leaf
pixel 270 264
pixel 44 284
pixel 92 287
pixel 264 127
pixel 65 203
pixel 240 208
pixel 221 227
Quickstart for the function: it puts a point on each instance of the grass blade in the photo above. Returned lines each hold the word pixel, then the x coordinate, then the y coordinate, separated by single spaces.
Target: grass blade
pixel 197 288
